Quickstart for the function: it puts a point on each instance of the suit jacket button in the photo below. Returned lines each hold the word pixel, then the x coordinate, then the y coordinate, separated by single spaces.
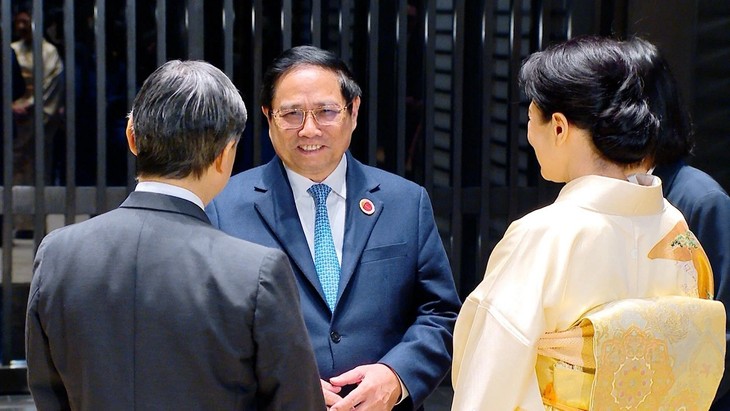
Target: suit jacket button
pixel 335 337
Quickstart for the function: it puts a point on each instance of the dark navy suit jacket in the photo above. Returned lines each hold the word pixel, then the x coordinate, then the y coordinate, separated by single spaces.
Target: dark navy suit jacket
pixel 397 301
pixel 706 207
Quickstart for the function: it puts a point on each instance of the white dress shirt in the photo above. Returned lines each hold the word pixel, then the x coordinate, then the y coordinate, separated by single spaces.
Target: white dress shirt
pixel 336 204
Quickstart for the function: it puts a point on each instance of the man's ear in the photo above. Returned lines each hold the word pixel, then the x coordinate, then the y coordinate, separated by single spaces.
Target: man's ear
pixel 227 154
pixel 131 140
pixel 560 127
pixel 266 111
pixel 355 110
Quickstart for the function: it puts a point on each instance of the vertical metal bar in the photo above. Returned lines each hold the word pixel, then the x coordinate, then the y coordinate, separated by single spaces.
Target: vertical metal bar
pixel 228 21
pixel 543 23
pixel 257 23
pixel 101 131
pixel 373 65
pixel 39 131
pixel 485 213
pixel 400 109
pixel 131 77
pixel 161 17
pixel 429 62
pixel 286 24
pixel 514 107
pixel 457 111
pixel 196 29
pixel 69 35
pixel 316 23
pixel 7 226
pixel 543 32
pixel 346 32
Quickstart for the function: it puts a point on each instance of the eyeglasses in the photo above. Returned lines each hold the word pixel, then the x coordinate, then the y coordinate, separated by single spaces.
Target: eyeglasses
pixel 293 118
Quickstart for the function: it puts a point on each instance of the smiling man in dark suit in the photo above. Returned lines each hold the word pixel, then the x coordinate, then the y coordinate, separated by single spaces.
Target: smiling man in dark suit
pixel 378 295
pixel 148 306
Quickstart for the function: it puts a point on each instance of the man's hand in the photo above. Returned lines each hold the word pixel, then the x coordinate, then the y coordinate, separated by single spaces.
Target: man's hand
pixel 378 389
pixel 330 392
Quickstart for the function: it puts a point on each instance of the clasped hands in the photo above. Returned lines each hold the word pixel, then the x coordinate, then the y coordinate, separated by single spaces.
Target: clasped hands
pixel 378 388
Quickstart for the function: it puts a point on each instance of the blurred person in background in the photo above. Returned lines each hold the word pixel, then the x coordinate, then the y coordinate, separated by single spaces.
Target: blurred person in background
pixel 53 86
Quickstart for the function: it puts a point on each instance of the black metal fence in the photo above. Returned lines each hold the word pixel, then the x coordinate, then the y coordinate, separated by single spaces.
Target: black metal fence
pixel 440 106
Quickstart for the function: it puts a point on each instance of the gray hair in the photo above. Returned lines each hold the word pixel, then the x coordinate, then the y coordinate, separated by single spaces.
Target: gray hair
pixel 183 117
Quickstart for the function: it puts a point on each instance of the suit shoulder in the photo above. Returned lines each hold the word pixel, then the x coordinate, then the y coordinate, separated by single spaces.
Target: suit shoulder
pixel 239 184
pixel 250 175
pixel 697 179
pixel 692 185
pixel 245 178
pixel 235 249
pixel 390 181
pixel 79 230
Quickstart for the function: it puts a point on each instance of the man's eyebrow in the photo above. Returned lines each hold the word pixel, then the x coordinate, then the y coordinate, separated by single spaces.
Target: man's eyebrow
pixel 321 103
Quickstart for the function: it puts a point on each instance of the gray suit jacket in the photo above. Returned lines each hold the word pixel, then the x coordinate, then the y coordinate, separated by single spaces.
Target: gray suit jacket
pixel 149 307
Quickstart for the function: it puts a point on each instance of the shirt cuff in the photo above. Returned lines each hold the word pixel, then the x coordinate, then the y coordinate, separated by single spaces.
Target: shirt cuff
pixel 403 390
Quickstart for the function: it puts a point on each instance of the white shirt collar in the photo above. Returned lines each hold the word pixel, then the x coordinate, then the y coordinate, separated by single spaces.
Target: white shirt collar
pixel 171 190
pixel 336 181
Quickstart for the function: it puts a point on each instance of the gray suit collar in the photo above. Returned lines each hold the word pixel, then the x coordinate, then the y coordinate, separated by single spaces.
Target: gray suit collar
pixel 166 203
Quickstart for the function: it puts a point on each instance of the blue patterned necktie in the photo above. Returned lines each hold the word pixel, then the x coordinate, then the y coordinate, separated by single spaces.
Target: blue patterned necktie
pixel 325 255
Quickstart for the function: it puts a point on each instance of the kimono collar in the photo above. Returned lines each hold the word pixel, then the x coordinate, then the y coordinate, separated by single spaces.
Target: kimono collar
pixel 641 196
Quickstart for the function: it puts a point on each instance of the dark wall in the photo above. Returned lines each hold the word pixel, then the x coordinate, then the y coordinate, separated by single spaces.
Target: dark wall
pixel 672 26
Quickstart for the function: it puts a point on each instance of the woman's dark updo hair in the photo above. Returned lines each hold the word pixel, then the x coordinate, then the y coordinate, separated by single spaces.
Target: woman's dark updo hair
pixel 675 139
pixel 591 83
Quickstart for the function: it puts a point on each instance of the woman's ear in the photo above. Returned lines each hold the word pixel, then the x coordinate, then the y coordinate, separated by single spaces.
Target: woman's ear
pixel 560 127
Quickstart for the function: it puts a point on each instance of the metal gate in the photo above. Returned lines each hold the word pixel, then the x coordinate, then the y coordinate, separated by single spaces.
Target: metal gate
pixel 440 106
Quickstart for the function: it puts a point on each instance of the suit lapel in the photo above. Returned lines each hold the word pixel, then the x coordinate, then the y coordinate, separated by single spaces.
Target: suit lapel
pixel 277 209
pixel 358 224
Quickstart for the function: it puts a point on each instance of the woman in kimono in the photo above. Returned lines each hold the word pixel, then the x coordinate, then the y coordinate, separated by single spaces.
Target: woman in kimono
pixel 607 237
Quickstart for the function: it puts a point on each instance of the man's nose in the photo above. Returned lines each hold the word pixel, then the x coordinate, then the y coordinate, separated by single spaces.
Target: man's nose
pixel 310 126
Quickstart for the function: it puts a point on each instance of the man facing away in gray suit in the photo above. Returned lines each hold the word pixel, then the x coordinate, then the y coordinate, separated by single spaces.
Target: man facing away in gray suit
pixel 150 307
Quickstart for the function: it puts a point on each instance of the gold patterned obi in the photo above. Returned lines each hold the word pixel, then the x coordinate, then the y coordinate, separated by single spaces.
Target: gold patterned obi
pixel 661 353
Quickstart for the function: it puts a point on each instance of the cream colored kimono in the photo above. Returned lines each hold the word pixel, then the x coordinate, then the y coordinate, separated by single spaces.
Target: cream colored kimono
pixel 602 240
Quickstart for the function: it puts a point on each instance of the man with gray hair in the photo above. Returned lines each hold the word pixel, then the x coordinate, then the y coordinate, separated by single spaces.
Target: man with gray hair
pixel 148 306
